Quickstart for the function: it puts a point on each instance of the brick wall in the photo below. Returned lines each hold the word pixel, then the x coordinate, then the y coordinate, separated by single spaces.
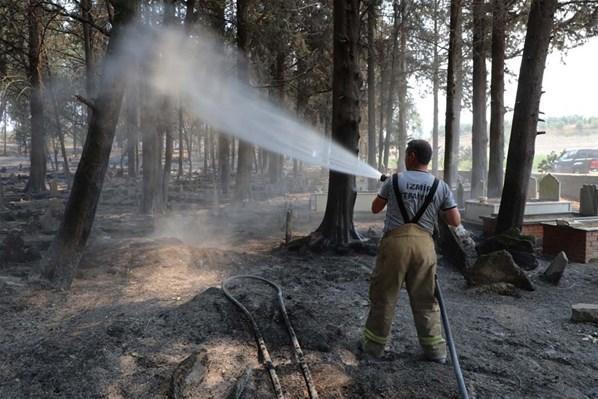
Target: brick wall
pixel 579 245
pixel 530 229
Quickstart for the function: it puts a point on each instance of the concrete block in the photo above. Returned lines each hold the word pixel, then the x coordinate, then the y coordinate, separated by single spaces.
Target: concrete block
pixel 584 312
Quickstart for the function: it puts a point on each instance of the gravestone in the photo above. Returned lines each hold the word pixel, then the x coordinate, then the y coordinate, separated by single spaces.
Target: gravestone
pixel 532 189
pixel 549 188
pixel 588 200
pixel 460 195
pixel 54 188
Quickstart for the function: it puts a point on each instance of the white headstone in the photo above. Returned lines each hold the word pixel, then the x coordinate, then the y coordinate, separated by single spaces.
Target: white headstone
pixel 549 188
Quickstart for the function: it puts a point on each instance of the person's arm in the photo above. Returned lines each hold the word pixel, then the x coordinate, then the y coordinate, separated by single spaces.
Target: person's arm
pixel 449 210
pixel 378 204
pixel 451 216
pixel 382 198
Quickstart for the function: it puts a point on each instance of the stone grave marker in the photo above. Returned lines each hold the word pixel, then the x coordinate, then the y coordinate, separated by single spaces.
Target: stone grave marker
pixel 460 195
pixel 549 188
pixel 532 189
pixel 54 188
pixel 588 200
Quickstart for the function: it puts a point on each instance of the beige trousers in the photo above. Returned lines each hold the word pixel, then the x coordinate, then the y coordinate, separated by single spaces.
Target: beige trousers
pixel 406 255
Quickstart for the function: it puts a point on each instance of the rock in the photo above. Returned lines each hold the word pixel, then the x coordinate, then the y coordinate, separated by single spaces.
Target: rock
pixel 498 267
pixel 521 247
pixel 584 312
pixel 555 270
pixel 13 247
pixel 525 260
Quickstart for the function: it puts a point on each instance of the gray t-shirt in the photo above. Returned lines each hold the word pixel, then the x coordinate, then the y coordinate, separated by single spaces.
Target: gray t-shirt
pixel 414 187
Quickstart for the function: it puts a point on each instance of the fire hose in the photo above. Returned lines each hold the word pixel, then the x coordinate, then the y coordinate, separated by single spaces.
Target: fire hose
pixel 262 349
pixel 451 343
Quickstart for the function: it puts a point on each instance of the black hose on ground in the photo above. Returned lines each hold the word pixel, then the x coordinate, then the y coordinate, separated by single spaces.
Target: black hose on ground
pixel 300 358
pixel 451 343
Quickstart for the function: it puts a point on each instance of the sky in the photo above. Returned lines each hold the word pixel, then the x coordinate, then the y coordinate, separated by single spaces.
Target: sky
pixel 570 85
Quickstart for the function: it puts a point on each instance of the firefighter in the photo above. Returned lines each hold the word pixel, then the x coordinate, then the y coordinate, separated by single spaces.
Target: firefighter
pixel 406 254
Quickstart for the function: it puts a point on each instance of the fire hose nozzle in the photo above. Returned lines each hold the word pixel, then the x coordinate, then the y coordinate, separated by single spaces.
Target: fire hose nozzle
pixel 383 178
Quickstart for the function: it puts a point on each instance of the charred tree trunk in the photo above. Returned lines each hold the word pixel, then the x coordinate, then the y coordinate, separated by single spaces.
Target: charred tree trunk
pixel 525 116
pixel 275 161
pixel 4 126
pixel 151 157
pixel 37 174
pixel 497 104
pixel 479 133
pixel 384 77
pixel 66 250
pixel 402 88
pixel 372 16
pixel 454 91
pixel 224 142
pixel 189 144
pixel 245 154
pixel 167 115
pixel 132 130
pixel 337 226
pixel 59 132
pixel 392 83
pixel 3 101
pixel 205 139
pixel 435 89
pixel 181 146
pixel 86 6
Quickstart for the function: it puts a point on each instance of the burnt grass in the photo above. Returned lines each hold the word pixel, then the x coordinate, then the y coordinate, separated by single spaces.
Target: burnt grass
pixel 148 295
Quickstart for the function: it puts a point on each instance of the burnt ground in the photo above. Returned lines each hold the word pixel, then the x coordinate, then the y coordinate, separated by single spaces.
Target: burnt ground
pixel 148 296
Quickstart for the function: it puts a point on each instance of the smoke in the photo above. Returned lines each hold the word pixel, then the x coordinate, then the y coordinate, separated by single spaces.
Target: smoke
pixel 201 72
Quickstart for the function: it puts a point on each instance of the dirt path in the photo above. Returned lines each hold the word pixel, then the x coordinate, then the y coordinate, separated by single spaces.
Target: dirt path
pixel 148 296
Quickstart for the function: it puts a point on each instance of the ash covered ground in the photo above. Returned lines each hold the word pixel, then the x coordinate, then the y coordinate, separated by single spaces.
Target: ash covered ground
pixel 146 316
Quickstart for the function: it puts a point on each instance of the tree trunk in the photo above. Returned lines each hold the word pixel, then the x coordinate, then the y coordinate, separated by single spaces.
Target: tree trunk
pixel 181 146
pixel 525 116
pixel 372 16
pixel 275 163
pixel 224 142
pixel 207 145
pixel 86 6
pixel 392 84
pixel 151 156
pixel 167 114
pixel 60 133
pixel 37 173
pixel 245 154
pixel 435 89
pixel 384 77
pixel 132 129
pixel 497 104
pixel 66 250
pixel 402 88
pixel 4 133
pixel 454 92
pixel 479 132
pixel 189 143
pixel 337 226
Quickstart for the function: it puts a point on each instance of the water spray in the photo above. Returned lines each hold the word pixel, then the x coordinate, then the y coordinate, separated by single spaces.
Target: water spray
pixel 200 71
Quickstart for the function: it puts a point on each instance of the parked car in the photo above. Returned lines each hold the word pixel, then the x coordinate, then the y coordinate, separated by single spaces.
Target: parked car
pixel 583 160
